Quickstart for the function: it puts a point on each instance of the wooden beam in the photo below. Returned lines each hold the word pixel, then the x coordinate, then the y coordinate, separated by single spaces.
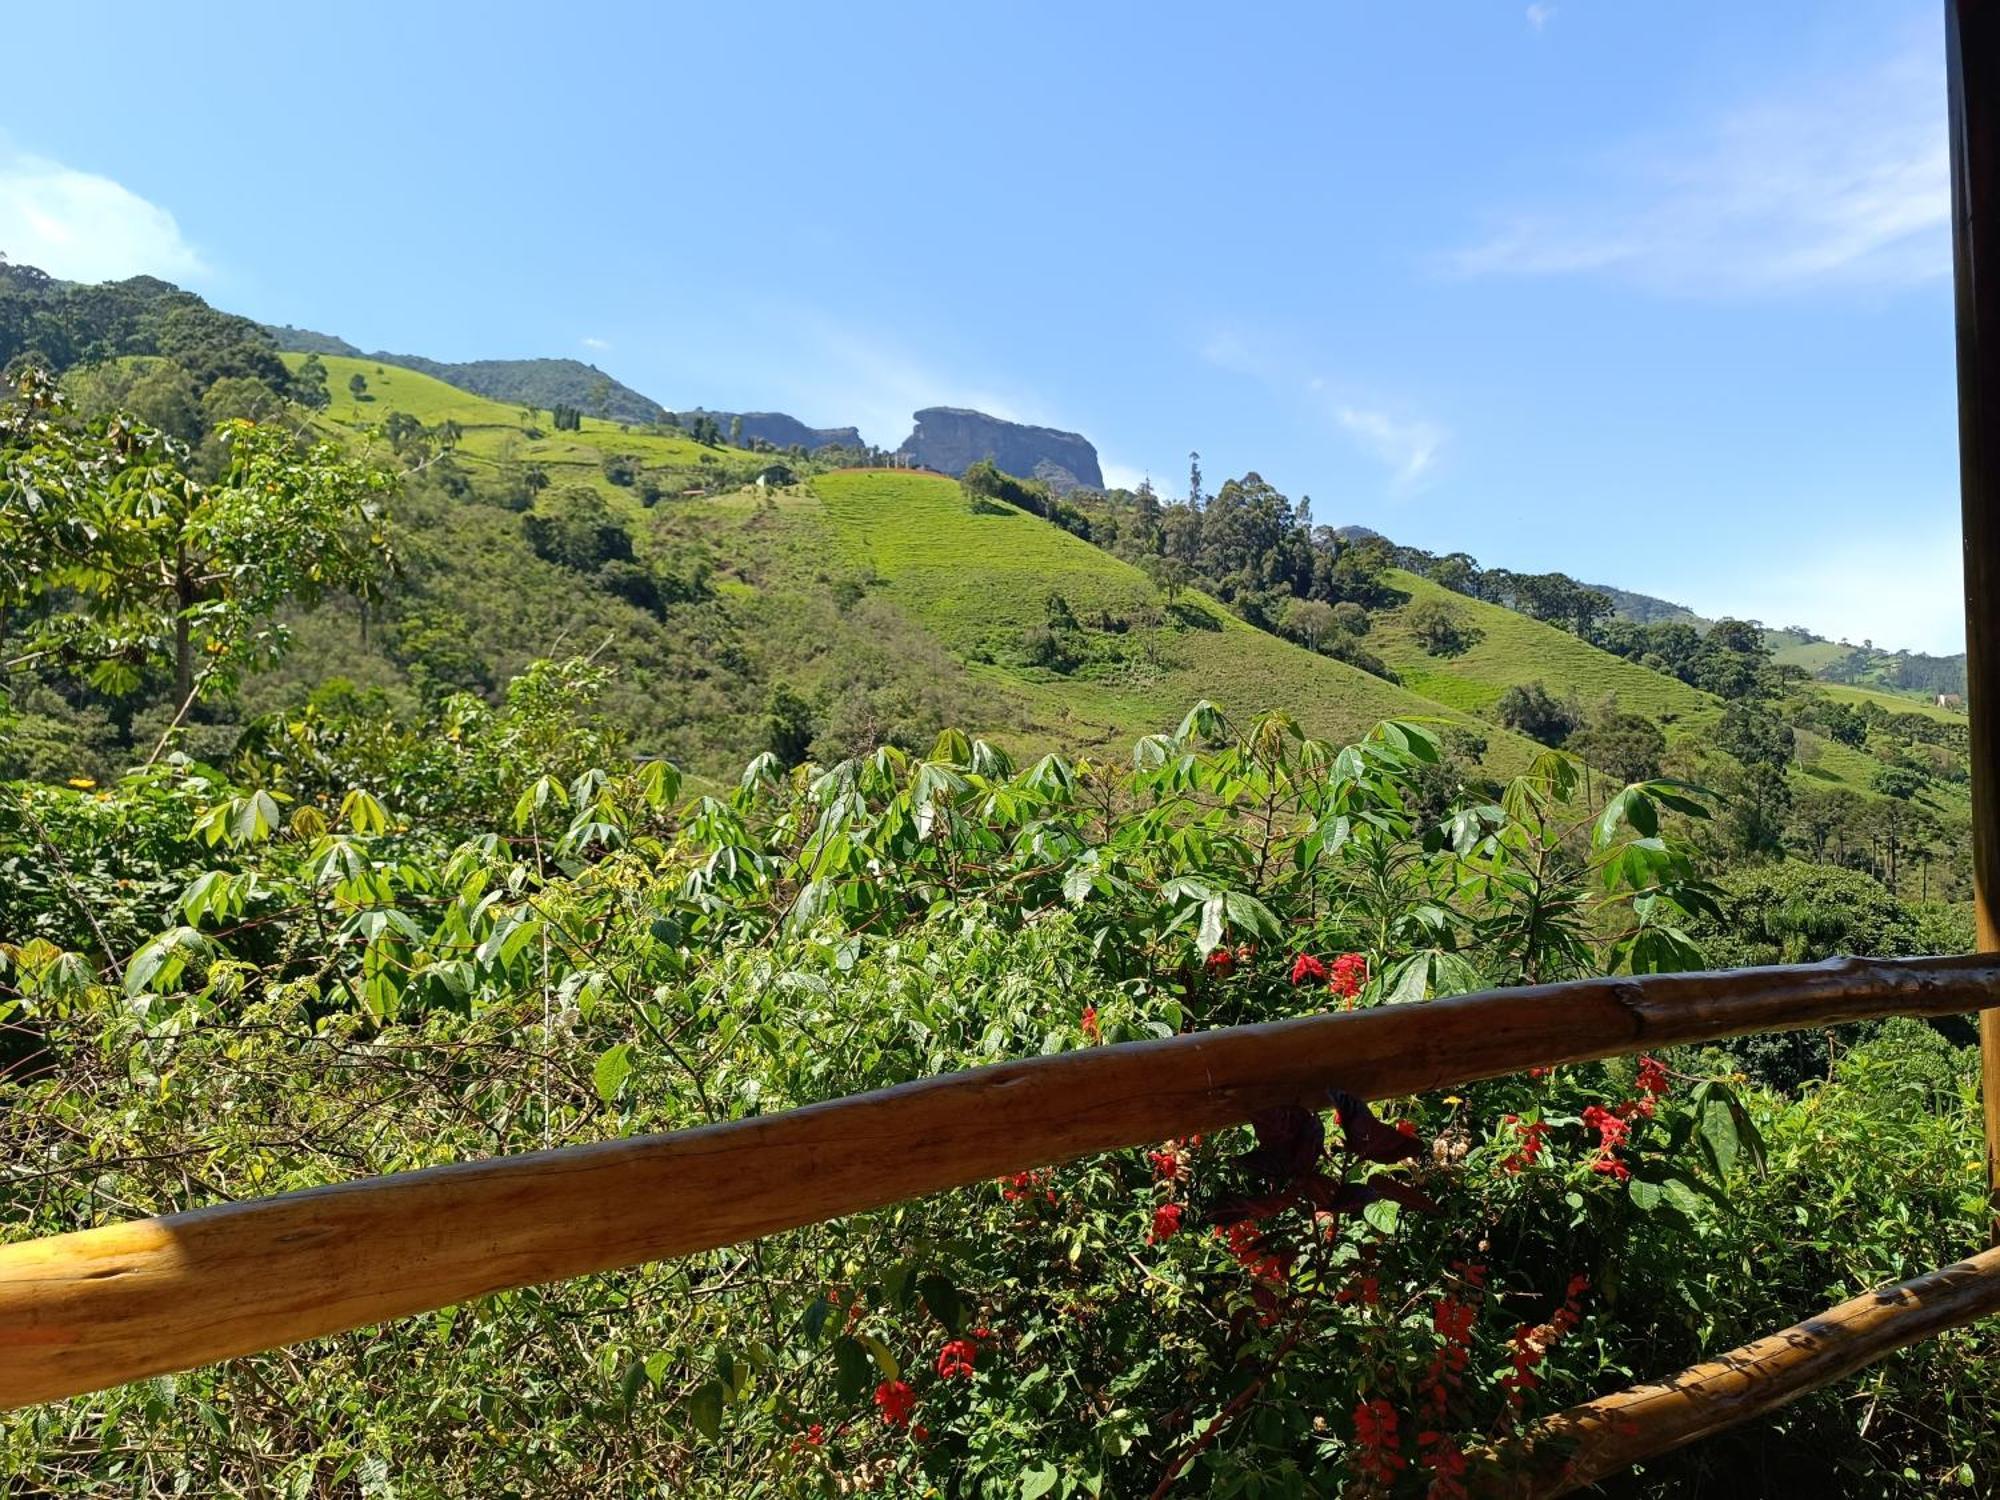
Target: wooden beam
pixel 1972 71
pixel 102 1306
pixel 1588 1443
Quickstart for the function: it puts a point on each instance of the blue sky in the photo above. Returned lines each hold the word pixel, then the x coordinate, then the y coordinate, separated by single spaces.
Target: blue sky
pixel 1655 294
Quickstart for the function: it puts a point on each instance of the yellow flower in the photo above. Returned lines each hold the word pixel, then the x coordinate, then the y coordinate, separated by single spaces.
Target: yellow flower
pixel 1453 1099
pixel 82 783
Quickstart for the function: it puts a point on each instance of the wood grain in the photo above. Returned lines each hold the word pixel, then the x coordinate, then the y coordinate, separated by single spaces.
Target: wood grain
pixel 1578 1447
pixel 102 1306
pixel 1972 72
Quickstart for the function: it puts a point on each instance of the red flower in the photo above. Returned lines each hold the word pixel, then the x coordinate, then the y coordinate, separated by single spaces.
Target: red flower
pixel 1453 1319
pixel 1532 1144
pixel 1221 961
pixel 1168 1163
pixel 1251 1253
pixel 921 1433
pixel 1609 1127
pixel 1023 1187
pixel 1652 1076
pixel 1366 1290
pixel 816 1434
pixel 1090 1022
pixel 1376 1458
pixel 1166 1223
pixel 955 1359
pixel 895 1400
pixel 1307 969
pixel 1350 972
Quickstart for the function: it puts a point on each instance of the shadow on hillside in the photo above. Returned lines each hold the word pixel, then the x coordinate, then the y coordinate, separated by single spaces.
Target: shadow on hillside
pixel 1194 616
pixel 984 507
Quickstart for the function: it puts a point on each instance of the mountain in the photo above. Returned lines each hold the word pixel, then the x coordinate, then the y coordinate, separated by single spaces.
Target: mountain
pixel 519 382
pixel 951 439
pixel 780 430
pixel 1645 609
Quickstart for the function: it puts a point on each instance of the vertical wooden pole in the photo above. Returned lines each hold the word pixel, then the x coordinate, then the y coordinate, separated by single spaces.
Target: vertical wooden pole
pixel 1972 67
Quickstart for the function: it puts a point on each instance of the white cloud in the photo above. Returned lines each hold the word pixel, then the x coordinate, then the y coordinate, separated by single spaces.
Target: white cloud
pixel 1408 446
pixel 1124 476
pixel 1832 180
pixel 844 374
pixel 600 345
pixel 1908 595
pixel 83 227
pixel 1539 15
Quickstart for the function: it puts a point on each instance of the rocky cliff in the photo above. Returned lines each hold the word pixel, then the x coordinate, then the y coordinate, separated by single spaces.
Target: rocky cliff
pixel 951 439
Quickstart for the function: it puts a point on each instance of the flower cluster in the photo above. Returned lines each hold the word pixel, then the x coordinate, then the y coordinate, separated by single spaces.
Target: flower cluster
pixel 1253 1254
pixel 1377 1453
pixel 1532 1341
pixel 1533 1141
pixel 1343 978
pixel 1350 973
pixel 1166 1223
pixel 1025 1187
pixel 1088 1021
pixel 1612 1130
pixel 1653 1080
pixel 956 1358
pixel 895 1400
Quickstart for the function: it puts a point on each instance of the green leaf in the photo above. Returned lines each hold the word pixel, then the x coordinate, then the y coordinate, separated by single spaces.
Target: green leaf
pixel 363 813
pixel 1038 1481
pixel 1719 1136
pixel 942 1298
pixel 704 1408
pixel 850 1368
pixel 613 1067
pixel 1645 1195
pixel 1209 938
pixel 879 1352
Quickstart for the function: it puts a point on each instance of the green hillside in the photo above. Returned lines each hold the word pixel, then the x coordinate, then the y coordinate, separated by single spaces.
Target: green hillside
pixel 494 433
pixel 976 582
pixel 1515 650
pixel 1895 703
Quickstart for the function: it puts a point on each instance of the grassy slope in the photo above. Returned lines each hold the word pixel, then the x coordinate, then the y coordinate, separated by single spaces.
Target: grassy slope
pixel 976 581
pixel 1518 650
pixel 1895 703
pixel 493 431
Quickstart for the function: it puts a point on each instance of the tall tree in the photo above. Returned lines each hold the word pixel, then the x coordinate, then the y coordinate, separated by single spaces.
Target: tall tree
pixel 118 561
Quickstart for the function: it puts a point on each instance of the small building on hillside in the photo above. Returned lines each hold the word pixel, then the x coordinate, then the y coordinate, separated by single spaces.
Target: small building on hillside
pixel 775 476
pixel 1953 701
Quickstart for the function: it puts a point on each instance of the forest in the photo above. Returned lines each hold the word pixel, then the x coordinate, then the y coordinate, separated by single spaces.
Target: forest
pixel 397 776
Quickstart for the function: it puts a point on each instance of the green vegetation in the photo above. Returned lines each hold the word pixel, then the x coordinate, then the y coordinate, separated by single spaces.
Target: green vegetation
pixel 375 796
pixel 980 582
pixel 495 933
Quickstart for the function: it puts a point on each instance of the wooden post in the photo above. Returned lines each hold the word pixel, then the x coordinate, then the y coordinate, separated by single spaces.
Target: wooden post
pixel 1972 69
pixel 1589 1443
pixel 103 1306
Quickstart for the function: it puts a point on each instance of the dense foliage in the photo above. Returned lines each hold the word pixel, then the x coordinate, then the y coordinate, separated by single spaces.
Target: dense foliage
pixel 431 888
pixel 355 953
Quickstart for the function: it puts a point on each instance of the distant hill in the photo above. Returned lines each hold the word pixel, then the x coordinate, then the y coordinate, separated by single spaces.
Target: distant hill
pixel 1645 609
pixel 780 430
pixel 951 439
pixel 518 382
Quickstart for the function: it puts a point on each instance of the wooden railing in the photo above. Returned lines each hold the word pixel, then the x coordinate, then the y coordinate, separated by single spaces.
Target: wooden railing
pixel 82 1311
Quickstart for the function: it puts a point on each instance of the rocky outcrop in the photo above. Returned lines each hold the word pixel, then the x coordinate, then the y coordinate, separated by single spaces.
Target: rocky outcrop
pixel 781 431
pixel 951 440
